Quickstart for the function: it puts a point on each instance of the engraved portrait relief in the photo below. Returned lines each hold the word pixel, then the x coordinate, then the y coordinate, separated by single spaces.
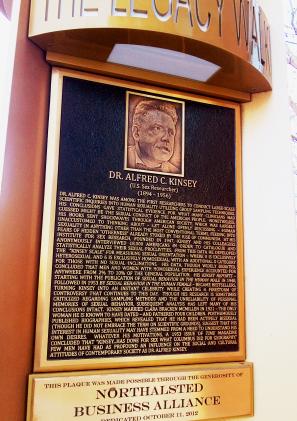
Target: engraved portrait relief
pixel 154 135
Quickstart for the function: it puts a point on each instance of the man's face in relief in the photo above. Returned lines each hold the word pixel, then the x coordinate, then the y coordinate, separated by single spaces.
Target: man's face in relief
pixel 155 137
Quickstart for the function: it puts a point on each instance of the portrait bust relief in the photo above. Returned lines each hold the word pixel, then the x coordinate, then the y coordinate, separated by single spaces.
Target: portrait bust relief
pixel 154 134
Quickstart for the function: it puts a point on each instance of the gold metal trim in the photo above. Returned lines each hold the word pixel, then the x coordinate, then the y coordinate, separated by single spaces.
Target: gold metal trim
pixel 145 76
pixel 232 383
pixel 47 239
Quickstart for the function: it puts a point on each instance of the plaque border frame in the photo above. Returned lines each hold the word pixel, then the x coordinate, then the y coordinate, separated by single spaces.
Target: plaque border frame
pixel 41 363
pixel 163 370
pixel 182 104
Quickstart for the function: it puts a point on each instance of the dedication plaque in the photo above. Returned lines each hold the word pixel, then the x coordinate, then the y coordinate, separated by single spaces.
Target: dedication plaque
pixel 141 260
pixel 186 393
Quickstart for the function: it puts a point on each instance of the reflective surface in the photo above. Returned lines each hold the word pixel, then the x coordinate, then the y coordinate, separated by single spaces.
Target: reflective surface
pixel 177 393
pixel 233 36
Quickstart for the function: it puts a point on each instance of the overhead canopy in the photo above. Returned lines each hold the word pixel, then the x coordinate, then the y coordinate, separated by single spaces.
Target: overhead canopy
pixel 234 34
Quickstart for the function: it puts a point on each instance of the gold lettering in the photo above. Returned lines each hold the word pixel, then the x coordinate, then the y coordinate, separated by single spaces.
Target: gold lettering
pixel 268 48
pixel 184 4
pixel 47 6
pixel 59 9
pixel 204 27
pixel 137 13
pixel 244 12
pixel 46 10
pixel 255 35
pixel 264 41
pixel 220 4
pixel 117 11
pixel 86 11
pixel 163 17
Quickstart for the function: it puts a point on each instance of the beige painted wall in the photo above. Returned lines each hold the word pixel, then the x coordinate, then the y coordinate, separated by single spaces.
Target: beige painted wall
pixel 20 219
pixel 271 239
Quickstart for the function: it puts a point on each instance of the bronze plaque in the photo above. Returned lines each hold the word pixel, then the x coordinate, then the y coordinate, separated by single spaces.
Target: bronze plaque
pixel 179 393
pixel 141 260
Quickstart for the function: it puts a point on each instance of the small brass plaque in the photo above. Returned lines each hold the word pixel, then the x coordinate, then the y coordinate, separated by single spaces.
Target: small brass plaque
pixel 180 393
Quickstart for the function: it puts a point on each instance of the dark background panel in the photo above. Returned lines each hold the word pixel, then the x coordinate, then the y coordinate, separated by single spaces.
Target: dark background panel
pixel 92 135
pixel 210 152
pixel 93 142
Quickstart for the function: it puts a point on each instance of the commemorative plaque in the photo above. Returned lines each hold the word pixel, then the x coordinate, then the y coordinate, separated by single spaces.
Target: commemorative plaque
pixel 184 393
pixel 141 260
